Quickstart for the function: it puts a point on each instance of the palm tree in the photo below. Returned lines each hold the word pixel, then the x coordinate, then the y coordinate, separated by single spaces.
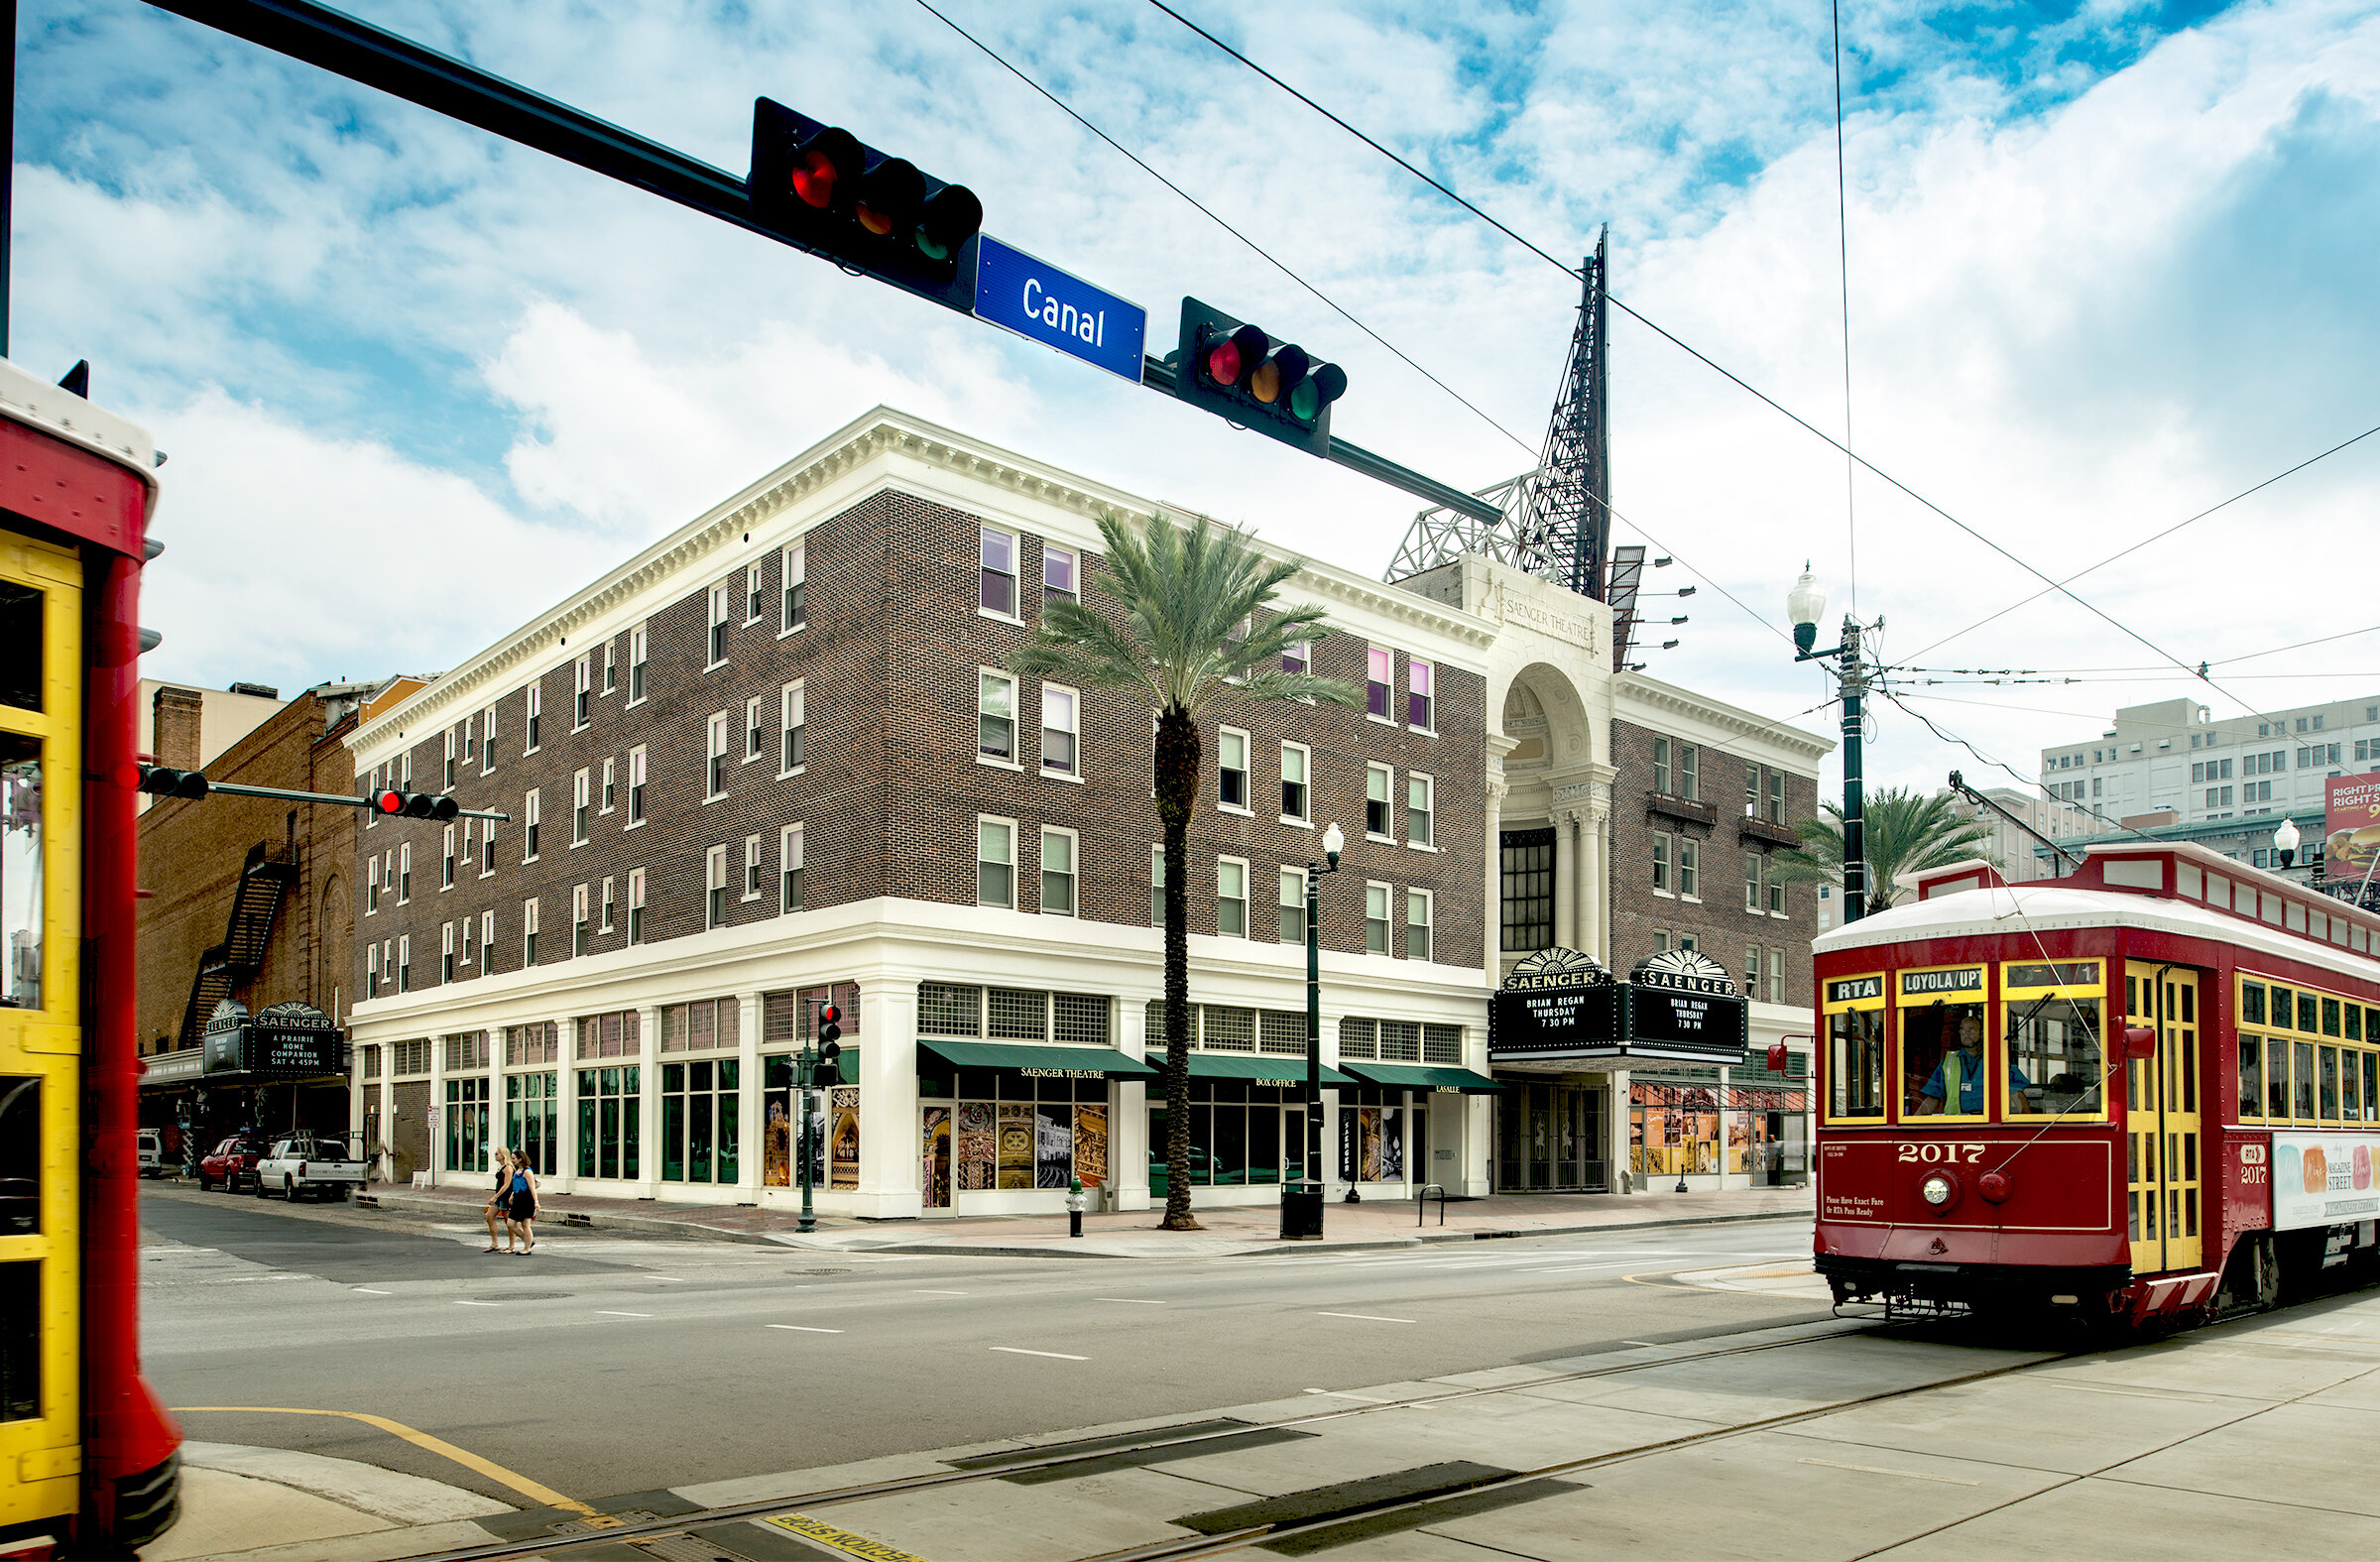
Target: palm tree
pixel 1187 643
pixel 1904 832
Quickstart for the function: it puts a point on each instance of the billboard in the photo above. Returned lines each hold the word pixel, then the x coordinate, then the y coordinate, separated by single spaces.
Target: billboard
pixel 2323 1179
pixel 2352 826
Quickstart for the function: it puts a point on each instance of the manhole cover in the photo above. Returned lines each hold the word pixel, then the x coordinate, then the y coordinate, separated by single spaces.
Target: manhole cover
pixel 523 1296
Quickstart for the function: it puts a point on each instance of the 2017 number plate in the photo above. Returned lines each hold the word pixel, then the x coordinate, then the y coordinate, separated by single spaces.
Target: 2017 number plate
pixel 1934 1152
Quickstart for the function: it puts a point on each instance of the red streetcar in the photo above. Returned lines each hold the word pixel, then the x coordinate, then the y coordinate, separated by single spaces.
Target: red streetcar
pixel 2150 1091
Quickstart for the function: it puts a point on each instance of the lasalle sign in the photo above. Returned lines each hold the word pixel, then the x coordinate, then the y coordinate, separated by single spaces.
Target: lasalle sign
pixel 1675 1006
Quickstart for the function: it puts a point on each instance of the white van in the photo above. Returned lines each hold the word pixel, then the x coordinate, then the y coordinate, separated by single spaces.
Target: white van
pixel 153 1152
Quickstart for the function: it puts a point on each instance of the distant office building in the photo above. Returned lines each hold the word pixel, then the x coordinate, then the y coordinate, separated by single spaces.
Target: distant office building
pixel 2019 853
pixel 2175 757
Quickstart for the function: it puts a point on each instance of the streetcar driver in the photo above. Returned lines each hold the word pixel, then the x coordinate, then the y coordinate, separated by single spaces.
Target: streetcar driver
pixel 1961 1071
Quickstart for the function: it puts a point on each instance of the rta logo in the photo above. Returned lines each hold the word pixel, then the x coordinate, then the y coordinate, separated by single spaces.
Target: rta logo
pixel 2251 1155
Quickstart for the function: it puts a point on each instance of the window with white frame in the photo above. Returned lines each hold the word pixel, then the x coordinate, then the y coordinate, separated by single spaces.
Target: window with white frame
pixel 1755 883
pixel 755 731
pixel 1061 729
pixel 635 787
pixel 470 732
pixel 1379 683
pixel 1689 779
pixel 610 666
pixel 994 717
pixel 793 600
pixel 582 930
pixel 610 898
pixel 529 931
pixel 716 644
pixel 446 859
pixel 755 597
pixel 487 740
pixel 1378 779
pixel 1293 905
pixel 372 967
pixel 582 699
pixel 610 785
pixel 404 762
pixel 714 886
pixel 640 659
pixel 1665 851
pixel 753 878
pixel 1230 897
pixel 448 785
pixel 405 963
pixel 1776 976
pixel 445 952
pixel 1421 810
pixel 534 725
pixel 529 825
pixel 1057 872
pixel 1375 918
pixel 788 869
pixel 1297 798
pixel 1298 657
pixel 1058 573
pixel 466 940
pixel 1419 909
pixel 715 767
pixel 997 593
pixel 1751 969
pixel 994 862
pixel 1777 894
pixel 1231 759
pixel 636 905
pixel 1661 765
pixel 487 847
pixel 580 805
pixel 1690 859
pixel 1421 695
pixel 371 886
pixel 1156 885
pixel 794 715
pixel 404 874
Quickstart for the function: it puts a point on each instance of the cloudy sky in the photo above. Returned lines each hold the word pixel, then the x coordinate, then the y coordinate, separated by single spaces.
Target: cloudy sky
pixel 2110 264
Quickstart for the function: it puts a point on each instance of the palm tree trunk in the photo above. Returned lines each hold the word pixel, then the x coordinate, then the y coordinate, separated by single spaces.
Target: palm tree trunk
pixel 1177 776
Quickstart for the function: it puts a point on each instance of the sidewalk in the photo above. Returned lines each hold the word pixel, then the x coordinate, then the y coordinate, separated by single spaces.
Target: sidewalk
pixel 1134 1234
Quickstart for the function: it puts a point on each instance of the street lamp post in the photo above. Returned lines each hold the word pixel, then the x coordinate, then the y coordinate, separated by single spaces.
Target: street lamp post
pixel 2285 842
pixel 1301 1207
pixel 1805 605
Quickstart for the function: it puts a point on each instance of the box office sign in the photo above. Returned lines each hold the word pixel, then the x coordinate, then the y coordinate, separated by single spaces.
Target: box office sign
pixel 1558 1003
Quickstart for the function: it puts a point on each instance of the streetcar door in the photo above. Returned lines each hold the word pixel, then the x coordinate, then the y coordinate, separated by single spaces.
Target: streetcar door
pixel 2161 1121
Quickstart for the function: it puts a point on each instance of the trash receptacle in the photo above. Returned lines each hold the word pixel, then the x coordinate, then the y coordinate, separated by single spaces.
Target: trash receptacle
pixel 1301 1215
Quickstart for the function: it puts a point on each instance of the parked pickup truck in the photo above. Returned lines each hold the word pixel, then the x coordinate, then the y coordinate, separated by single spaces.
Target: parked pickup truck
pixel 311 1165
pixel 232 1164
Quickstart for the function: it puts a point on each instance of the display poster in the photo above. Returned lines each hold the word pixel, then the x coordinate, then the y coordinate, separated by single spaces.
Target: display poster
pixel 1367 1144
pixel 978 1152
pixel 843 1117
pixel 1091 1144
pixel 777 1145
pixel 2352 826
pixel 1054 1146
pixel 1392 1144
pixel 934 1148
pixel 1016 1144
pixel 2321 1179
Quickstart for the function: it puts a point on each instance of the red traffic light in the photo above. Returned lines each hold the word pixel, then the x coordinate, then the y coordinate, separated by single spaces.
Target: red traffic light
pixel 388 802
pixel 830 1014
pixel 823 165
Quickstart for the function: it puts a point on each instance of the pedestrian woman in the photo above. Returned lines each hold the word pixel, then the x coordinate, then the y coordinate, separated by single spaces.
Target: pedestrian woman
pixel 494 1211
pixel 520 1205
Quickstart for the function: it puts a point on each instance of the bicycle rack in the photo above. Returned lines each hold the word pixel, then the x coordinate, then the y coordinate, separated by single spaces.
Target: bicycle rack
pixel 1421 1204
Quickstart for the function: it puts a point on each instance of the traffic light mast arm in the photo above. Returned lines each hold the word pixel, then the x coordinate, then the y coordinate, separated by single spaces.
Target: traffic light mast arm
pixel 341 799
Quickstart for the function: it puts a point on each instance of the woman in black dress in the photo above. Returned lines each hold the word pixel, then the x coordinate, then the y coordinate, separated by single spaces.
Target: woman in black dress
pixel 495 1210
pixel 520 1205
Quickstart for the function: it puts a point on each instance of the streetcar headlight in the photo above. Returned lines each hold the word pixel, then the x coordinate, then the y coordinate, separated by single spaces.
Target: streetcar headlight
pixel 1937 1189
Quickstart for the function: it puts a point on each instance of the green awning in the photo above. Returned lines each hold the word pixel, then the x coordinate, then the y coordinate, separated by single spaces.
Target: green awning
pixel 1424 1076
pixel 1241 1065
pixel 1030 1056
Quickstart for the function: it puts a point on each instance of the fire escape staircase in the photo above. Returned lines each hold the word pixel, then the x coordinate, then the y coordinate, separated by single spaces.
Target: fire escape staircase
pixel 255 903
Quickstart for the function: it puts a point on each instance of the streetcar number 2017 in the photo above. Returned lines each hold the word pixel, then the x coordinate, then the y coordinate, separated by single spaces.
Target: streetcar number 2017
pixel 1937 1152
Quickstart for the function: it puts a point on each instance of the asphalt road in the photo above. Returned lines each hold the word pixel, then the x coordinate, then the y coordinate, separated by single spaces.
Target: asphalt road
pixel 603 1365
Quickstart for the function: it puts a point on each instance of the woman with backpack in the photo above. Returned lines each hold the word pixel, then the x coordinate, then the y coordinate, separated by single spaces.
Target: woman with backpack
pixel 520 1205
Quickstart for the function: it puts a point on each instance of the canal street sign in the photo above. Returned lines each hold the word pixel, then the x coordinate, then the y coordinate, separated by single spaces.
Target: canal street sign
pixel 1035 300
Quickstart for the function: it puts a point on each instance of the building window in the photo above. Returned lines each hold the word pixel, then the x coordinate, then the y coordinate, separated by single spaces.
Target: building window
pixel 371 886
pixel 994 859
pixel 487 740
pixel 1420 695
pixel 578 808
pixel 1295 796
pixel 528 933
pixel 635 787
pixel 1230 756
pixel 447 858
pixel 1380 674
pixel 715 770
pixel 1776 895
pixel 582 704
pixel 1298 657
pixel 751 867
pixel 636 905
pixel 714 886
pixel 487 940
pixel 1755 886
pixel 582 929
pixel 1527 889
pixel 999 589
pixel 754 747
pixel 610 1118
pixel 1377 779
pixel 1689 785
pixel 640 647
pixel 466 926
pixel 487 847
pixel 610 788
pixel 754 595
pixel 717 643
pixel 1751 969
pixel 1061 719
pixel 470 732
pixel 1421 811
pixel 536 721
pixel 446 952
pixel 405 964
pixel 1230 897
pixel 1375 918
pixel 609 899
pixel 1664 857
pixel 1156 885
pixel 448 785
pixel 611 671
pixel 788 867
pixel 1058 573
pixel 995 715
pixel 1057 872
pixel 1661 765
pixel 1293 905
pixel 1418 925
pixel 529 826
pixel 1776 976
pixel 1690 854
pixel 404 874
pixel 794 609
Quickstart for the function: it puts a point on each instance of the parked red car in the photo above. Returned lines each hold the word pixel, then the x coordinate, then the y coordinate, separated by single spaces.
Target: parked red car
pixel 233 1163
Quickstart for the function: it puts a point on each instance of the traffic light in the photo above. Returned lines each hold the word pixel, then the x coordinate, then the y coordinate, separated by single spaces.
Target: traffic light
pixel 819 187
pixel 1237 370
pixel 830 1034
pixel 159 781
pixel 414 806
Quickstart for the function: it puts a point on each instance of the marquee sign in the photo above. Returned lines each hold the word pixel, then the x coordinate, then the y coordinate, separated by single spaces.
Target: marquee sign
pixel 1676 1005
pixel 284 1041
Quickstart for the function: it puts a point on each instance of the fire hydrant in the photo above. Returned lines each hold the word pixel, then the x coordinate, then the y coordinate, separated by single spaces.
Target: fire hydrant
pixel 1074 1208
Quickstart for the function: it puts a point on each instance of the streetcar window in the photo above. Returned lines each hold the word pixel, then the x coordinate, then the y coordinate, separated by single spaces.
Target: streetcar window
pixel 2302 1068
pixel 2276 1082
pixel 1856 1063
pixel 2355 1019
pixel 2281 1008
pixel 2251 1002
pixel 21 878
pixel 2329 1080
pixel 2330 1017
pixel 2371 1087
pixel 2190 1003
pixel 2308 1013
pixel 21 658
pixel 21 1340
pixel 2350 1105
pixel 20 1155
pixel 2056 1051
pixel 2251 1077
pixel 1944 1061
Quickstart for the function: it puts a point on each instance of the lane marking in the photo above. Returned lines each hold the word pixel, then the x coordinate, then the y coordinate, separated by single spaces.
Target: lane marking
pixel 802 1328
pixel 2128 1393
pixel 673 1279
pixel 610 1313
pixel 1055 1356
pixel 1650 1345
pixel 1336 1393
pixel 937 1293
pixel 478 1304
pixel 369 1291
pixel 1368 1317
pixel 1908 1475
pixel 842 1540
pixel 1134 1301
pixel 543 1496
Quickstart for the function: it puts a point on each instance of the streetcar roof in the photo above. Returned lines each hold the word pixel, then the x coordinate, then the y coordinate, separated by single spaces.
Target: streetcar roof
pixel 26 398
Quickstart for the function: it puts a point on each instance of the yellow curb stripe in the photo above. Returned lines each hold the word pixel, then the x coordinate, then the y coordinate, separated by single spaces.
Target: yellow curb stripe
pixel 543 1496
pixel 842 1540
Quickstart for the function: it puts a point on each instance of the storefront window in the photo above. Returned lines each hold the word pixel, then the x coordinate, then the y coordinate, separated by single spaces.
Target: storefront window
pixel 1012 1130
pixel 834 1129
pixel 1673 1130
pixel 467 1122
pixel 610 1122
pixel 1243 1133
pixel 698 1121
pixel 1372 1133
pixel 529 1122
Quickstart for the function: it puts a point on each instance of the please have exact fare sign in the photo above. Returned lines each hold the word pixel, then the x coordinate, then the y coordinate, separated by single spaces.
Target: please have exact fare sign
pixel 1035 300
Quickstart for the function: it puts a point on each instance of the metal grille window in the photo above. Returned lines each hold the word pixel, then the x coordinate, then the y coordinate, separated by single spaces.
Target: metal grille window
pixel 1293 905
pixel 468 1049
pixel 1226 1029
pixel 1527 880
pixel 1080 1019
pixel 1400 1041
pixel 703 1026
pixel 1018 1015
pixel 1280 1033
pixel 780 1018
pixel 947 1010
pixel 1442 1044
pixel 619 1033
pixel 1359 1037
pixel 371 1062
pixel 531 1043
pixel 410 1058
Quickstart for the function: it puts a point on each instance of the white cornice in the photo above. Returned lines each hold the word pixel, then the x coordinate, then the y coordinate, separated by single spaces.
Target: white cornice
pixel 1633 694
